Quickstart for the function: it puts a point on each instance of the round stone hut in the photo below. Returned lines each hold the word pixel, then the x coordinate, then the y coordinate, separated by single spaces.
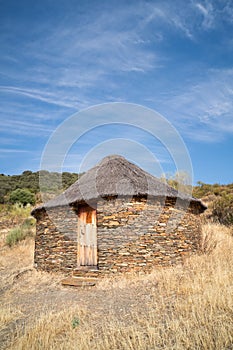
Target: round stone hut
pixel 116 218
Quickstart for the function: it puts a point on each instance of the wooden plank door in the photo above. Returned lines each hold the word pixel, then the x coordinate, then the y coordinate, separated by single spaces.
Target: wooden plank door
pixel 87 236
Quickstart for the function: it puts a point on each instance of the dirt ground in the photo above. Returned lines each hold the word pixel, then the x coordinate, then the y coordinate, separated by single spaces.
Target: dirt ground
pixel 177 308
pixel 29 293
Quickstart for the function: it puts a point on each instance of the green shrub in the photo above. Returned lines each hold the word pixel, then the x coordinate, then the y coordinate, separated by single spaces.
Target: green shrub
pixel 23 196
pixel 223 210
pixel 15 235
pixel 29 223
pixel 19 233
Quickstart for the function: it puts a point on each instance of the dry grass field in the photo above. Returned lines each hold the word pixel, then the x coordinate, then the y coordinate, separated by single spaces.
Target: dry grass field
pixel 178 308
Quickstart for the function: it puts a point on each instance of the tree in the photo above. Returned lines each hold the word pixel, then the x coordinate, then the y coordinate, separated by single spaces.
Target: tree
pixel 22 195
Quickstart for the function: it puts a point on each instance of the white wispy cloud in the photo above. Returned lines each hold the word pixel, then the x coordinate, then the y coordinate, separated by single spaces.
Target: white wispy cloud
pixel 86 53
pixel 20 127
pixel 207 11
pixel 76 58
pixel 184 19
pixel 169 15
pixel 13 150
pixel 12 153
pixel 190 18
pixel 69 62
pixel 205 110
pixel 42 95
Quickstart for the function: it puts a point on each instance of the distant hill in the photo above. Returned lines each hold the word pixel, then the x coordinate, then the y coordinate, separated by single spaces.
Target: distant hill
pixel 31 181
pixel 203 190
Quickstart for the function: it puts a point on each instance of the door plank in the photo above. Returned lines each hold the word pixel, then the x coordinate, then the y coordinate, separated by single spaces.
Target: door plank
pixel 87 237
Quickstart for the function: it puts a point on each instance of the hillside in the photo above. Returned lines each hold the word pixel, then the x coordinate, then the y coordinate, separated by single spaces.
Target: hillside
pixel 31 181
pixel 203 190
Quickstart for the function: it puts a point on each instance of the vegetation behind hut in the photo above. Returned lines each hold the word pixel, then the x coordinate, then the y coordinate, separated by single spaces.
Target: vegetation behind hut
pixel 219 198
pixel 30 180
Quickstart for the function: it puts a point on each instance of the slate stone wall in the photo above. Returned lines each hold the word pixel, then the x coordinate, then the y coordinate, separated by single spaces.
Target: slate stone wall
pixel 132 235
pixel 56 240
pixel 138 234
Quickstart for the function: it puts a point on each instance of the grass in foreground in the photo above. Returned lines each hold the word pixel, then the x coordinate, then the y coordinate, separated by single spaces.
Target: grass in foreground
pixel 180 308
pixel 8 314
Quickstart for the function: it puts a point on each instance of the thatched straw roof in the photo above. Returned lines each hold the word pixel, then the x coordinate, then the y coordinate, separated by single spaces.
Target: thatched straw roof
pixel 115 176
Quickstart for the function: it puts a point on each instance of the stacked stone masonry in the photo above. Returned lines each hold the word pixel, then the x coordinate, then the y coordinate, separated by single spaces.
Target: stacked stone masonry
pixel 56 240
pixel 139 234
pixel 132 235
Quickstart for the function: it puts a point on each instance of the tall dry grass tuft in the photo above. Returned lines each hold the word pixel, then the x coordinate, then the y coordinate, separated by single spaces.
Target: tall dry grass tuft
pixel 50 330
pixel 179 308
pixel 8 314
pixel 213 235
pixel 16 212
pixel 19 256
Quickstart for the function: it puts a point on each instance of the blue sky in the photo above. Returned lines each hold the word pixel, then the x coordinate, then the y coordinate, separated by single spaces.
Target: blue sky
pixel 60 57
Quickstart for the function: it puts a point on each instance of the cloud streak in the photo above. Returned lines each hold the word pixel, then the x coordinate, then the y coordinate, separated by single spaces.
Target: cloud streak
pixel 20 127
pixel 42 96
pixel 206 107
pixel 172 56
pixel 208 14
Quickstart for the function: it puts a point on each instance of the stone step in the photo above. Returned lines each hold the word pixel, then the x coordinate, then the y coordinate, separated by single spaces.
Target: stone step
pixel 79 282
pixel 86 268
pixel 85 273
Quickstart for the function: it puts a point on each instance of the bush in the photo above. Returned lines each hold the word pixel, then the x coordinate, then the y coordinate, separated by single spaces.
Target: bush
pixel 19 233
pixel 15 235
pixel 23 196
pixel 223 210
pixel 18 211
